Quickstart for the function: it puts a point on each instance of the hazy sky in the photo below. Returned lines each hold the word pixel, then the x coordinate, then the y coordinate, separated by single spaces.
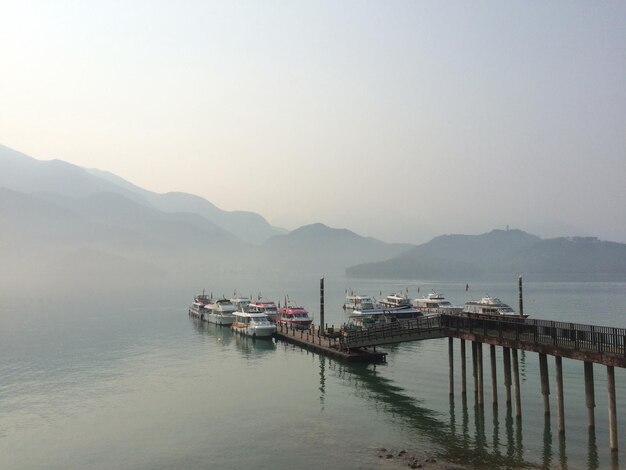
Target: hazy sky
pixel 399 120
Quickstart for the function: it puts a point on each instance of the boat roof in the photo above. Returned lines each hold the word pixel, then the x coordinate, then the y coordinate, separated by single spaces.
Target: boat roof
pixel 262 302
pixel 289 310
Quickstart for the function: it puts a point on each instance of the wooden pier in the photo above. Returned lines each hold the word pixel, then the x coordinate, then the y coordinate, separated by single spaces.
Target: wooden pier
pixel 329 345
pixel 590 344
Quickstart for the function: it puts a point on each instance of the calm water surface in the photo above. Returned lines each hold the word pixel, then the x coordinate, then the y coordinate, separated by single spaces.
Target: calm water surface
pixel 124 379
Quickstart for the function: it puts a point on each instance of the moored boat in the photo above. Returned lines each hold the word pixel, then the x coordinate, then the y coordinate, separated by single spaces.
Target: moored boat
pixel 198 307
pixel 221 312
pixel 370 313
pixel 396 300
pixel 296 317
pixel 266 307
pixel 240 303
pixel 490 307
pixel 435 302
pixel 359 302
pixel 254 324
pixel 365 318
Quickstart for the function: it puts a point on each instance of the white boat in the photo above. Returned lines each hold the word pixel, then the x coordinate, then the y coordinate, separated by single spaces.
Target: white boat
pixel 240 303
pixel 359 302
pixel 198 307
pixel 435 302
pixel 266 307
pixel 396 300
pixel 221 312
pixel 253 324
pixel 370 313
pixel 490 306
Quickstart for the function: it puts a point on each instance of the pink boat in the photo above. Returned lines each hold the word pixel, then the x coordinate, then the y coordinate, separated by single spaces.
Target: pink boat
pixel 296 317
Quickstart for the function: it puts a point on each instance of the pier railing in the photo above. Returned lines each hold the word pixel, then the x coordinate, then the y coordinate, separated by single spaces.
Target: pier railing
pixel 566 335
pixel 562 338
pixel 394 332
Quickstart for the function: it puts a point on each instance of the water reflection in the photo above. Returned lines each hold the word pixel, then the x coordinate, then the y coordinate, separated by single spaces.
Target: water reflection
pixel 250 347
pixel 592 453
pixel 254 347
pixel 322 387
pixel 456 447
pixel 546 453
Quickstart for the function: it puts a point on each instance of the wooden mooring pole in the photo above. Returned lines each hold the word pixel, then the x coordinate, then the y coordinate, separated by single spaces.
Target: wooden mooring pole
pixel 322 304
pixel 521 297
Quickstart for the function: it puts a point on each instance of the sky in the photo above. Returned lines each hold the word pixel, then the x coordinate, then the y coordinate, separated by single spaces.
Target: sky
pixel 401 120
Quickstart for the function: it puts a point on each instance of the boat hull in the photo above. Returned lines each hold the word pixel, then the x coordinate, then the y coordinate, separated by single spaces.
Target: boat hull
pixel 255 331
pixel 220 319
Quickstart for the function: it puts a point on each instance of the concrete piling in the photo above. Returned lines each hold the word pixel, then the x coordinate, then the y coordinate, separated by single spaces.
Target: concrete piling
pixel 560 407
pixel 590 399
pixel 518 393
pixel 610 372
pixel 545 384
pixel 494 381
pixel 463 367
pixel 451 365
pixel 506 356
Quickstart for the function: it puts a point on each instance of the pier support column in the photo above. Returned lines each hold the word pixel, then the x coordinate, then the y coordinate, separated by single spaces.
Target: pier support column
pixel 545 384
pixel 610 383
pixel 560 406
pixel 463 367
pixel 475 368
pixel 506 356
pixel 518 393
pixel 494 380
pixel 590 398
pixel 479 354
pixel 451 365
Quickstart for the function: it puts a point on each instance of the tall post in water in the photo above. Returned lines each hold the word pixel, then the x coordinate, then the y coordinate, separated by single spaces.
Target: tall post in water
pixel 463 367
pixel 560 406
pixel 518 393
pixel 451 365
pixel 610 372
pixel 545 384
pixel 479 353
pixel 590 398
pixel 506 355
pixel 322 304
pixel 521 298
pixel 494 383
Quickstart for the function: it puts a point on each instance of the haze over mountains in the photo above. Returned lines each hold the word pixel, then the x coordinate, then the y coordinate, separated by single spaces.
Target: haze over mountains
pixel 65 222
pixel 62 220
pixel 503 254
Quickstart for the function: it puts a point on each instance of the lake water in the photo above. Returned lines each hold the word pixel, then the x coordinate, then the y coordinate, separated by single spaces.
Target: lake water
pixel 123 378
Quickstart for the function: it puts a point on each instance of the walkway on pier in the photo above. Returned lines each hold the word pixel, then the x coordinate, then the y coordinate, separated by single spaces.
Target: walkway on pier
pixel 600 344
pixel 395 332
pixel 587 343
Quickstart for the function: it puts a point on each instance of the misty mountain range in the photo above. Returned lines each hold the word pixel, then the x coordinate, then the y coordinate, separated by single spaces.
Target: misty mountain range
pixel 65 221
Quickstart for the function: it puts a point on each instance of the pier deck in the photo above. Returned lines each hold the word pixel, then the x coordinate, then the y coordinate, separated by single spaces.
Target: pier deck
pixel 328 345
